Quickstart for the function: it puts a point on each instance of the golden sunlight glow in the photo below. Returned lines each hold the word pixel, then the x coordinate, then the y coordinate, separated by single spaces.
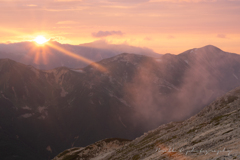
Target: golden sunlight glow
pixel 71 54
pixel 43 54
pixel 40 39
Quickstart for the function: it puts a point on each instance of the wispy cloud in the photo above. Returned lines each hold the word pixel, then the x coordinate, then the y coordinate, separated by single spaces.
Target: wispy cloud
pixel 67 0
pixel 191 22
pixel 32 5
pixel 170 37
pixel 128 1
pixel 147 38
pixel 221 36
pixel 180 1
pixel 67 22
pixel 100 34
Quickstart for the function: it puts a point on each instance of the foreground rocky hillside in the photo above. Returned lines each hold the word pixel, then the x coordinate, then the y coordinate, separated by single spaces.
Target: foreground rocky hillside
pixel 45 112
pixel 94 151
pixel 212 134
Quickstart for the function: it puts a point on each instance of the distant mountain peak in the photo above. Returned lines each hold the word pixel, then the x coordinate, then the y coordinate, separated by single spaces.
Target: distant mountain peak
pixel 167 55
pixel 127 54
pixel 206 50
pixel 8 63
pixel 126 57
pixel 211 48
pixel 6 60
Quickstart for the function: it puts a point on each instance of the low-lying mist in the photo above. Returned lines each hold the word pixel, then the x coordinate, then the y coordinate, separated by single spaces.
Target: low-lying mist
pixel 179 86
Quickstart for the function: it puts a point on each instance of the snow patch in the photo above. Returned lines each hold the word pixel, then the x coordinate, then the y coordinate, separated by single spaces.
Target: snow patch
pixel 4 97
pixel 59 75
pixel 27 108
pixel 27 115
pixel 63 93
pixel 26 89
pixel 41 109
pixel 120 119
pixel 77 70
pixel 110 79
pixel 194 50
pixel 158 60
pixel 121 100
pixel 42 117
pixel 103 155
pixel 235 76
pixel 14 92
pixel 167 84
pixel 49 149
pixel 77 150
pixel 35 71
pixel 124 58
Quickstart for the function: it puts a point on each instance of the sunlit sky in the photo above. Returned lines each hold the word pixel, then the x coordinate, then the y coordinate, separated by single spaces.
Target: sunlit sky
pixel 165 26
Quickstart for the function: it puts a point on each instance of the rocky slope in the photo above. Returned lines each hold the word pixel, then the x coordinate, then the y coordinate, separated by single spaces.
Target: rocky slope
pixel 29 101
pixel 50 111
pixel 94 151
pixel 212 134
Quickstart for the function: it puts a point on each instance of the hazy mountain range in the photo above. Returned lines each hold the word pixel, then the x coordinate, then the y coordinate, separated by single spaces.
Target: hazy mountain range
pixel 44 112
pixel 47 57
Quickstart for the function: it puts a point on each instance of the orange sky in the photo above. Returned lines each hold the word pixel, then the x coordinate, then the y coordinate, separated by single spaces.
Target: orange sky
pixel 165 26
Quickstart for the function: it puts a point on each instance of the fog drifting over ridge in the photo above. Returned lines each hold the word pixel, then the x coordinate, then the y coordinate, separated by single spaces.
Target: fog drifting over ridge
pixel 188 82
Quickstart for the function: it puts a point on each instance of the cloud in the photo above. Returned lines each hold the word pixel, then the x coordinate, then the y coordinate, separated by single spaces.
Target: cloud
pixel 58 38
pixel 100 34
pixel 170 37
pixel 147 39
pixel 67 0
pixel 67 22
pixel 128 1
pixel 221 36
pixel 121 48
pixel 176 1
pixel 32 5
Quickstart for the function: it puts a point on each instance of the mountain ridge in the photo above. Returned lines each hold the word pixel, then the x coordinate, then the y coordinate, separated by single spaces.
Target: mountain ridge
pixel 136 94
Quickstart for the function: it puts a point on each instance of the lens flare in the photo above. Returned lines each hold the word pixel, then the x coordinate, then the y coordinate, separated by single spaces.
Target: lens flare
pixel 71 54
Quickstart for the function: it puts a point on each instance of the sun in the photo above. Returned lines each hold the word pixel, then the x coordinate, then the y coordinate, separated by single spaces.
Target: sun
pixel 40 40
